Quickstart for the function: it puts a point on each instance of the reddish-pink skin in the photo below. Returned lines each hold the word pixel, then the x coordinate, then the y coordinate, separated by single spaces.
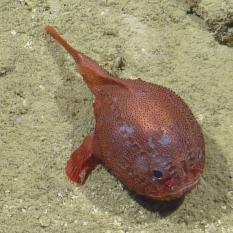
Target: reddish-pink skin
pixel 143 131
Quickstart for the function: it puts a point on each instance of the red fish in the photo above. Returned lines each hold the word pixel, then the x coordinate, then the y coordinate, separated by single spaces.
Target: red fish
pixel 144 133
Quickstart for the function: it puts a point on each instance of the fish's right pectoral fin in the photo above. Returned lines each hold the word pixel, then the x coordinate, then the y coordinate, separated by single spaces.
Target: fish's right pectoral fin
pixel 81 161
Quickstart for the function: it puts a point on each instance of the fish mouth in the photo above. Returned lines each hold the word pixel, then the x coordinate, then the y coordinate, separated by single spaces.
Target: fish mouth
pixel 178 193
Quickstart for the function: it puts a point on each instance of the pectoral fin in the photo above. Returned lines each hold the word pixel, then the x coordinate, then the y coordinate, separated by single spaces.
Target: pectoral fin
pixel 81 161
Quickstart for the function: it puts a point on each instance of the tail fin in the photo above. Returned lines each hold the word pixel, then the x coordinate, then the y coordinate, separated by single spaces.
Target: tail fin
pixel 93 74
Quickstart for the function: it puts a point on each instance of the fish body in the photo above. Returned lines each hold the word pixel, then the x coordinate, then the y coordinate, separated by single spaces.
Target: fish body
pixel 144 133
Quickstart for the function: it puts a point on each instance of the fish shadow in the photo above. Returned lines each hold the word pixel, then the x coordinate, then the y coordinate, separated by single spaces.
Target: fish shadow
pixel 207 202
pixel 164 208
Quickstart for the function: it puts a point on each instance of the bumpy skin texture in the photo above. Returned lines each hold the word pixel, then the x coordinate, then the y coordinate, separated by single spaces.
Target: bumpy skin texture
pixel 144 129
pixel 144 133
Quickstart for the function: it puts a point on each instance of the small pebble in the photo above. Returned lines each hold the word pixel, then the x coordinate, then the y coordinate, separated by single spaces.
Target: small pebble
pixel 223 207
pixel 119 63
pixel 28 44
pixel 60 195
pixel 44 221
pixel 13 32
pixel 25 103
pixel 41 87
pixel 18 119
pixel 111 32
pixel 200 117
pixel 230 195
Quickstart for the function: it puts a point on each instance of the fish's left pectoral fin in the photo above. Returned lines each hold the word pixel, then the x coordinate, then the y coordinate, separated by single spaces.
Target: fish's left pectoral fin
pixel 81 161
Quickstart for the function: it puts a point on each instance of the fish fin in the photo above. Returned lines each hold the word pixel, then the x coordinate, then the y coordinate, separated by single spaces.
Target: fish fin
pixel 93 74
pixel 81 161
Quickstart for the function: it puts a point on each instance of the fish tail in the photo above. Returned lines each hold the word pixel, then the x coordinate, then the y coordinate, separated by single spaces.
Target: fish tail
pixel 93 74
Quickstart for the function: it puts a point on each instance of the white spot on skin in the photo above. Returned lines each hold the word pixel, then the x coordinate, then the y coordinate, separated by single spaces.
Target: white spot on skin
pixel 114 99
pixel 164 140
pixel 126 129
pixel 151 143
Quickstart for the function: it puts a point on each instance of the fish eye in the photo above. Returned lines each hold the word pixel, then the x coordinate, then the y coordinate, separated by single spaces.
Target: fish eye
pixel 158 174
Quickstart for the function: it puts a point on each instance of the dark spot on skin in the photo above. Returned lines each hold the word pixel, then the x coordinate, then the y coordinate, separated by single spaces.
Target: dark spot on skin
pixel 157 174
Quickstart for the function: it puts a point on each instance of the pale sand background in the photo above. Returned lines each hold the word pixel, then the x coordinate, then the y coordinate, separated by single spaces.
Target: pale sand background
pixel 45 110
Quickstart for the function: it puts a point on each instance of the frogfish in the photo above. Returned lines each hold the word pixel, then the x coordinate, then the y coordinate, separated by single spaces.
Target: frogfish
pixel 145 134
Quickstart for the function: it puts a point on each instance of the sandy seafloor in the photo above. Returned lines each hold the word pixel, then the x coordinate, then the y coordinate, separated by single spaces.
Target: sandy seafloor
pixel 46 110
